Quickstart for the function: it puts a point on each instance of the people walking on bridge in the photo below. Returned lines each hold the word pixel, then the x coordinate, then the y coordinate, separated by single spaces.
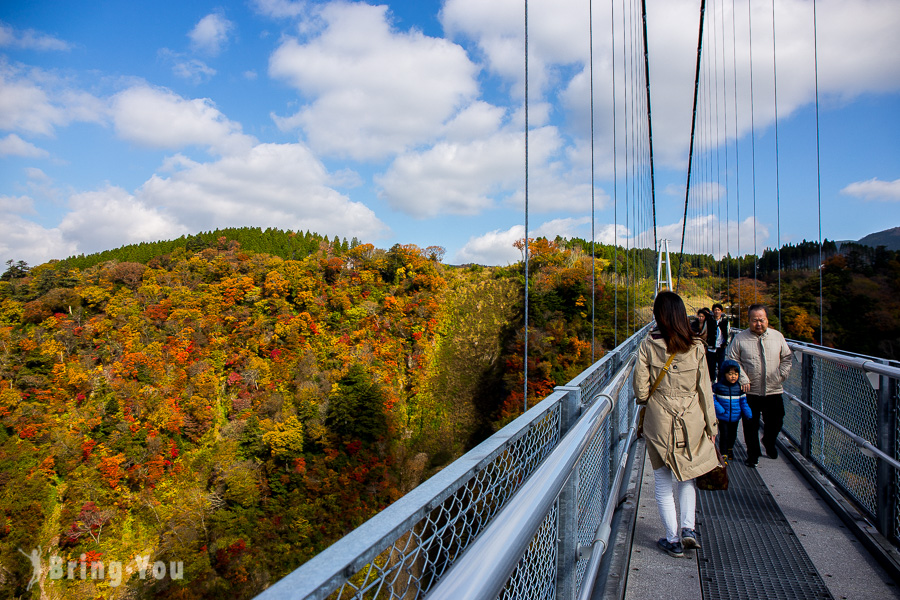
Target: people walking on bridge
pixel 672 380
pixel 765 361
pixel 731 405
pixel 722 330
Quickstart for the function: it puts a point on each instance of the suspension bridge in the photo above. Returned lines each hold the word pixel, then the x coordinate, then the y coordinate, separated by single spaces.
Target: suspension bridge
pixel 559 504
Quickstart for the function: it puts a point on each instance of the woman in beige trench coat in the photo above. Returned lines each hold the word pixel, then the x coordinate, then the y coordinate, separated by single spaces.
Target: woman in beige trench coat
pixel 680 420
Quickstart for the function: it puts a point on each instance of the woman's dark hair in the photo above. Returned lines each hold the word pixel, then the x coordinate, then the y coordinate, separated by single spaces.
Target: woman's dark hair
pixel 671 318
pixel 706 330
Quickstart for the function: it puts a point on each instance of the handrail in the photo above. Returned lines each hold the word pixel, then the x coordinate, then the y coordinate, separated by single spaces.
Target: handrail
pixel 864 445
pixel 850 361
pixel 604 530
pixel 483 570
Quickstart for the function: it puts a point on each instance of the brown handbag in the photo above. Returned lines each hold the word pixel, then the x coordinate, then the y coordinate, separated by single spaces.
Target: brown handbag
pixel 716 479
pixel 665 369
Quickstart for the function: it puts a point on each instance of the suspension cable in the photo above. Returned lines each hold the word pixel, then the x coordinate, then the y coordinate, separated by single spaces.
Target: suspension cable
pixel 753 152
pixel 718 203
pixel 727 182
pixel 593 234
pixel 818 178
pixel 737 156
pixel 527 242
pixel 777 180
pixel 612 36
pixel 687 188
pixel 649 119
pixel 629 166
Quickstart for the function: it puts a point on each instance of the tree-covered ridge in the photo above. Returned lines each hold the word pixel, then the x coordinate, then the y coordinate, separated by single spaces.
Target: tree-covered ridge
pixel 289 245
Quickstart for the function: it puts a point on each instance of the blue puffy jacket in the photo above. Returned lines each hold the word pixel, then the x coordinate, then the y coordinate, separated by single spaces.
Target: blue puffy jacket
pixel 731 402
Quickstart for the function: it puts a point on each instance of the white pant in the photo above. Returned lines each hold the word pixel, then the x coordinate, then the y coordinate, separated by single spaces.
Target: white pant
pixel 665 481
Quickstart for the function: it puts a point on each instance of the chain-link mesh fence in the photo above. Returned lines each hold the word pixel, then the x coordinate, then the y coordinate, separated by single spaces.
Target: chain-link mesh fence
pixel 842 389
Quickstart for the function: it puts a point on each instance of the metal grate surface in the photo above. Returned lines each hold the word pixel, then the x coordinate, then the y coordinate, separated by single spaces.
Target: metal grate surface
pixel 749 550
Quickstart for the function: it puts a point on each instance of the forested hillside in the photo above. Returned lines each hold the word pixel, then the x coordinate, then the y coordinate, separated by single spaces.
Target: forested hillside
pixel 859 289
pixel 238 411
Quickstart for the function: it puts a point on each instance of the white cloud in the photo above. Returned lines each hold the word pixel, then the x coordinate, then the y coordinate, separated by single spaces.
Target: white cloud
pixel 874 189
pixel 158 118
pixel 496 247
pixel 210 34
pixel 270 185
pixel 21 239
pixel 497 28
pixel 29 39
pixel 24 106
pixel 612 235
pixel 856 55
pixel 468 177
pixel 492 248
pixel 374 91
pixel 737 238
pixel 16 204
pixel 111 217
pixel 452 178
pixel 193 70
pixel 42 186
pixel 477 120
pixel 37 102
pixel 13 145
pixel 282 8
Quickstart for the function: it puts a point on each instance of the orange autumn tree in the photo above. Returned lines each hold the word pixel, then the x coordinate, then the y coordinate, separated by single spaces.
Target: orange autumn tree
pixel 559 336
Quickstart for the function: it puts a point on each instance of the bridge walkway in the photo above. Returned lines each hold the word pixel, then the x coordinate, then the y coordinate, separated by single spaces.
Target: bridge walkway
pixel 771 535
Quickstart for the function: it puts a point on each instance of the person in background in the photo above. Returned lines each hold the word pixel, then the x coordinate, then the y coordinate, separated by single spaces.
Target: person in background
pixel 722 330
pixel 731 405
pixel 765 361
pixel 704 327
pixel 680 418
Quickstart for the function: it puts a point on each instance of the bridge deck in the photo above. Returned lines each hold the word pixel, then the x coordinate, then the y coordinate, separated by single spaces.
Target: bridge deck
pixel 769 536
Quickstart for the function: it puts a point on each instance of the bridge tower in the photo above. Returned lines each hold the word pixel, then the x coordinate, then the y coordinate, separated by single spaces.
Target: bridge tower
pixel 662 256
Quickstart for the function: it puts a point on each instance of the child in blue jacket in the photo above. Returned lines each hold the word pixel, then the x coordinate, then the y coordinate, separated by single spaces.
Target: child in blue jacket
pixel 731 404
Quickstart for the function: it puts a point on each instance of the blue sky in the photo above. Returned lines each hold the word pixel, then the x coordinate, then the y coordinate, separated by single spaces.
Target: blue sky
pixel 123 122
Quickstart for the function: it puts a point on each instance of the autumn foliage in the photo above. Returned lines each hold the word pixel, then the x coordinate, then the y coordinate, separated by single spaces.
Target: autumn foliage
pixel 240 411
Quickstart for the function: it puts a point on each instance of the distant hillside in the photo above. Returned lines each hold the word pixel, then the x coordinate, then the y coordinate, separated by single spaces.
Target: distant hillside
pixel 889 238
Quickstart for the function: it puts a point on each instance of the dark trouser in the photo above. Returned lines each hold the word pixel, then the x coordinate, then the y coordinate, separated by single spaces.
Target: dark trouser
pixel 712 365
pixel 727 436
pixel 772 410
pixel 720 355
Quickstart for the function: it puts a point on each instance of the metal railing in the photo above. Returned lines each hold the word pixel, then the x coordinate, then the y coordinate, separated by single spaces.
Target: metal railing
pixel 403 551
pixel 502 553
pixel 843 416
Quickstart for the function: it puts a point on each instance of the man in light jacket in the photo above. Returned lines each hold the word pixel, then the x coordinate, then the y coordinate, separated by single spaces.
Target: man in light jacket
pixel 765 361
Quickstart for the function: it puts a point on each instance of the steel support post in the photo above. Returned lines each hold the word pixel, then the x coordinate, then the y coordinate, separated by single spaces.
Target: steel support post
pixel 567 556
pixel 886 489
pixel 806 382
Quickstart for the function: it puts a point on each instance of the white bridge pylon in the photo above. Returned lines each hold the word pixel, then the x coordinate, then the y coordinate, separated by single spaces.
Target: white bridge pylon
pixel 662 256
